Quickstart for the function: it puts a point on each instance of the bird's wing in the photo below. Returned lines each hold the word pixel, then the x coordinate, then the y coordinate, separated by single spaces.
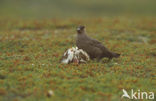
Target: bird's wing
pixel 97 44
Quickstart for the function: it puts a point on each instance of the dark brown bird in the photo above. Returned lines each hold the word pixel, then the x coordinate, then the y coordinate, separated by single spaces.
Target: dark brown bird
pixel 94 48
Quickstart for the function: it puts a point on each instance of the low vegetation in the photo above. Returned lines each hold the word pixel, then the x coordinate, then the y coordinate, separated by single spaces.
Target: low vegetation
pixel 30 51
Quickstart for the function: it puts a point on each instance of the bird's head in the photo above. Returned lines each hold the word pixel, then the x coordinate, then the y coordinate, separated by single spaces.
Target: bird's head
pixel 80 29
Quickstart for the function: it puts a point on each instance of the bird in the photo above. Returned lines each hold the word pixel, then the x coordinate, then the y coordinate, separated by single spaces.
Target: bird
pixel 125 94
pixel 74 55
pixel 95 49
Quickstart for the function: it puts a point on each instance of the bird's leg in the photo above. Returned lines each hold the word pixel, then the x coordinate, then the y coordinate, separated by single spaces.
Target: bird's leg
pixel 109 59
pixel 98 59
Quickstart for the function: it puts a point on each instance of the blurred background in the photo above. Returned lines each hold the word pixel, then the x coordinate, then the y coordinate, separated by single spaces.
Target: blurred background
pixel 75 8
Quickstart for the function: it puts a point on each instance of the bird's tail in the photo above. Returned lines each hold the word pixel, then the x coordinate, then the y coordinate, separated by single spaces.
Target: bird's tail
pixel 116 55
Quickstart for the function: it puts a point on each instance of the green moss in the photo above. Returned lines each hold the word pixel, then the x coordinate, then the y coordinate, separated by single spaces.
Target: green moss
pixel 30 53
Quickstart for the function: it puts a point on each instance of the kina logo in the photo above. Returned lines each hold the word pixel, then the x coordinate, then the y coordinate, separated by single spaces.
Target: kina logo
pixel 137 94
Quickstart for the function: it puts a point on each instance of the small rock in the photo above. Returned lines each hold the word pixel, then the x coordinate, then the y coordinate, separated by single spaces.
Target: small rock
pixel 50 93
pixel 43 64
